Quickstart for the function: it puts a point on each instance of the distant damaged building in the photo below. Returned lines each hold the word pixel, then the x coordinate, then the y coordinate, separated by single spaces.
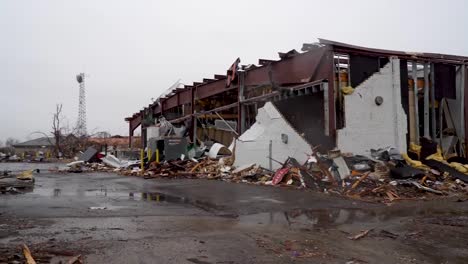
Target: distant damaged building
pixel 332 95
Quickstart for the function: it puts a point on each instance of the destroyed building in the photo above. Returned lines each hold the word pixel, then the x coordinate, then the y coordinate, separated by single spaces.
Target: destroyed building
pixel 331 94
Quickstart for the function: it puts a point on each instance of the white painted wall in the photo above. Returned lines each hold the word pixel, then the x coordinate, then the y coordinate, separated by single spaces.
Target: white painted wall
pixel 369 126
pixel 253 145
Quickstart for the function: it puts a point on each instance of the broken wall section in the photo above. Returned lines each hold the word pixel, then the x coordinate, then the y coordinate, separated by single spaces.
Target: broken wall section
pixel 305 113
pixel 369 125
pixel 271 135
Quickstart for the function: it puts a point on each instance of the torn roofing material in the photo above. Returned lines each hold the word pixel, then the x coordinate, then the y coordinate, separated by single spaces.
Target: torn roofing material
pixel 413 55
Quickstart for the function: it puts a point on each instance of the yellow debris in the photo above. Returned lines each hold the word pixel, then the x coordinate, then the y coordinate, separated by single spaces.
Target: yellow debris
pixel 413 163
pixel 347 90
pixel 437 156
pixel 415 149
pixel 25 175
pixel 459 167
pixel 27 255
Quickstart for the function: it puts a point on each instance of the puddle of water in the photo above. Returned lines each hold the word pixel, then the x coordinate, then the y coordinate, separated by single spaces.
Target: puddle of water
pixel 263 199
pixel 323 218
pixel 303 218
pixel 135 196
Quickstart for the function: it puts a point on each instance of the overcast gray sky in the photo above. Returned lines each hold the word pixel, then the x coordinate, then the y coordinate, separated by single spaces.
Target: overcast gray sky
pixel 133 50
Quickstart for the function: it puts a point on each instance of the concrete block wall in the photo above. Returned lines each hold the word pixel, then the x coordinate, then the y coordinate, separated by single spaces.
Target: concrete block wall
pixel 371 126
pixel 253 145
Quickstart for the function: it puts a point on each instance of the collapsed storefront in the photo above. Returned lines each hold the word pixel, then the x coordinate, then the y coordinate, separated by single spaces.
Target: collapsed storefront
pixel 332 95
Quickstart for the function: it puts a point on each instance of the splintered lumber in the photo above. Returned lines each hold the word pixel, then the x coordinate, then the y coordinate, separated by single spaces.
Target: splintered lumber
pixel 326 172
pixel 391 195
pixel 423 180
pixel 196 166
pixel 380 188
pixel 322 167
pixel 27 255
pixel 363 177
pixel 360 235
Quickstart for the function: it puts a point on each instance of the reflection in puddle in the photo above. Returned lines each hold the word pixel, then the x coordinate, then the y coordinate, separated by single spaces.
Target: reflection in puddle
pixel 156 197
pixel 303 218
pixel 103 192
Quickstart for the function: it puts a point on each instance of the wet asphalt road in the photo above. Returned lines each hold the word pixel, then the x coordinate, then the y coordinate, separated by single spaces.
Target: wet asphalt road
pixel 109 218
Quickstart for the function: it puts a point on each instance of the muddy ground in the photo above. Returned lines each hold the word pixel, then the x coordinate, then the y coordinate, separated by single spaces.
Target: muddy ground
pixel 108 218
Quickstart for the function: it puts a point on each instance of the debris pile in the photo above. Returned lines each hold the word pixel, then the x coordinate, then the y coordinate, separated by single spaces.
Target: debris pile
pixel 385 175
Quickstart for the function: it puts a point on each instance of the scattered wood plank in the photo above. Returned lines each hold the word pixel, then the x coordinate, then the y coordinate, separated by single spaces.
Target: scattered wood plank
pixel 27 255
pixel 196 166
pixel 355 184
pixel 391 195
pixel 360 235
pixel 388 234
pixel 423 180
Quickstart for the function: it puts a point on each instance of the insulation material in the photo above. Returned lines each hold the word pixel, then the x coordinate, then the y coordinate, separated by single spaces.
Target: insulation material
pixel 270 125
pixel 369 125
pixel 218 149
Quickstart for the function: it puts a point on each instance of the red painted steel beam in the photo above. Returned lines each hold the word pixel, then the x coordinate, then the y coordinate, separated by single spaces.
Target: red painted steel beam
pixel 219 109
pixel 301 68
pixel 220 77
pixel 134 123
pixel 344 47
pixel 265 61
pixel 170 102
pixel 183 97
pixel 209 89
pixel 186 96
pixel 157 109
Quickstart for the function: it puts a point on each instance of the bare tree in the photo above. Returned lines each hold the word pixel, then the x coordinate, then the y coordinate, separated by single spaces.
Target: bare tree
pixel 63 140
pixel 11 141
pixel 56 128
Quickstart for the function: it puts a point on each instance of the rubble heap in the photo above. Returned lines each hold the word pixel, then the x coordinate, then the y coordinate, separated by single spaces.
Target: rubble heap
pixel 385 176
